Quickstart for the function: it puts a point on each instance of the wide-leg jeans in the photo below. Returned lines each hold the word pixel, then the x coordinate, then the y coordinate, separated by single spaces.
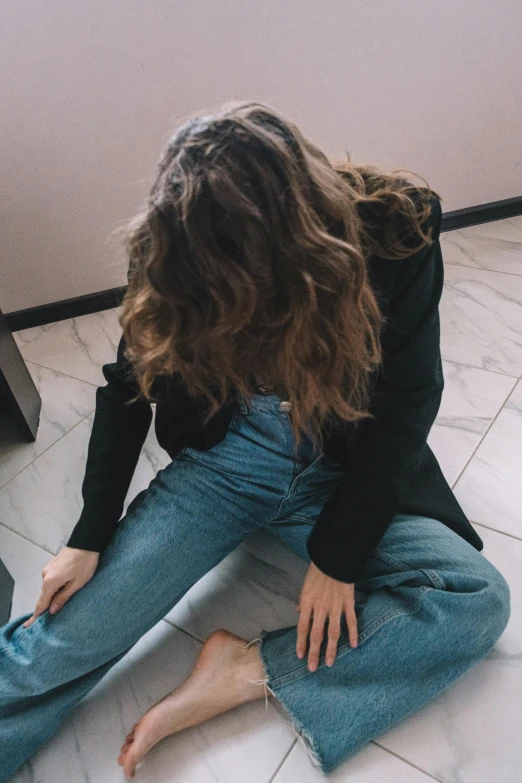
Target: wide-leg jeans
pixel 429 605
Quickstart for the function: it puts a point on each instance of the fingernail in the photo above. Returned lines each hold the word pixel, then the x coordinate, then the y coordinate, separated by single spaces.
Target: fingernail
pixel 329 662
pixel 299 654
pixel 312 667
pixel 53 609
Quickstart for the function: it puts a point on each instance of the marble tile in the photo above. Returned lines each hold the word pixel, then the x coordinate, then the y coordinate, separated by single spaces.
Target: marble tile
pixel 26 335
pixel 24 561
pixel 371 765
pixel 481 319
pixel 79 346
pixel 248 742
pixel 65 401
pixel 471 731
pixel 496 246
pixel 245 592
pixel 44 501
pixel 490 489
pixel 470 401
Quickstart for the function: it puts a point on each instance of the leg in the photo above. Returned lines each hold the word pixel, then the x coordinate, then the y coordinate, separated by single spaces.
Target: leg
pixel 433 607
pixel 188 520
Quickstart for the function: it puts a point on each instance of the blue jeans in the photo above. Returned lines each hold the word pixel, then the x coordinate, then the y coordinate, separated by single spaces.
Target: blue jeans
pixel 429 606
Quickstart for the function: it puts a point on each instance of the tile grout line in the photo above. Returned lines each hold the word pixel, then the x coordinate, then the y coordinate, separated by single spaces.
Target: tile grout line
pixel 495 530
pixel 201 641
pixel 47 449
pixel 485 433
pixel 59 372
pixel 19 331
pixel 272 779
pixel 280 765
pixel 21 535
pixel 183 630
pixel 409 763
pixel 68 375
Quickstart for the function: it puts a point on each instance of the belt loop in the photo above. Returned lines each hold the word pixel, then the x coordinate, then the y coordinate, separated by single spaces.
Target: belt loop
pixel 243 407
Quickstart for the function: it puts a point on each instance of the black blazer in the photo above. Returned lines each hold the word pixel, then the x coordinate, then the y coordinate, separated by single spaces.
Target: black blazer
pixel 390 468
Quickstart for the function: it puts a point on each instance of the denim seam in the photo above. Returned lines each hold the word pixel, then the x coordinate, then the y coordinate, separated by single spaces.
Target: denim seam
pixel 296 518
pixel 291 490
pixel 399 565
pixel 344 647
pixel 297 453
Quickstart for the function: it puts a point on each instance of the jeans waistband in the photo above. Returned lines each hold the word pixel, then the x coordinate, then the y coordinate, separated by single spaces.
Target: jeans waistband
pixel 262 402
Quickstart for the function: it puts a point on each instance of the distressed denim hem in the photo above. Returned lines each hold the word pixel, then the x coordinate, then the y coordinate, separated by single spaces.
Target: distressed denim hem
pixel 297 727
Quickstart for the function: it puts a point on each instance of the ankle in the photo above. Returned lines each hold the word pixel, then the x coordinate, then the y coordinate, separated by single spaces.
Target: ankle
pixel 250 666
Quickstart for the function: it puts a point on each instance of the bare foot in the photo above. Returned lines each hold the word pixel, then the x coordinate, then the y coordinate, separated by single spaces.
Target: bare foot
pixel 218 682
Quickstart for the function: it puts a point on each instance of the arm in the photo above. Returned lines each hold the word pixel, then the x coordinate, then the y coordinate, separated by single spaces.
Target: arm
pixel 407 396
pixel 117 437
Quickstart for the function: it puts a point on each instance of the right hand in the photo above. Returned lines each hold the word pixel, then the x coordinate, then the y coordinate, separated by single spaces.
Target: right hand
pixel 63 576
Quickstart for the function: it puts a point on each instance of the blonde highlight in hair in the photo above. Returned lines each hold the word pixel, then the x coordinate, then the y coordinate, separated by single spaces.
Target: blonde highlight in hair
pixel 250 258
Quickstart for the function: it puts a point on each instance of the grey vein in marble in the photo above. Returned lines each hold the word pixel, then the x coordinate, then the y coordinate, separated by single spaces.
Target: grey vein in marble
pixel 481 319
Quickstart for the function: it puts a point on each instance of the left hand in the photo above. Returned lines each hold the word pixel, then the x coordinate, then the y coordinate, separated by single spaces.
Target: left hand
pixel 326 599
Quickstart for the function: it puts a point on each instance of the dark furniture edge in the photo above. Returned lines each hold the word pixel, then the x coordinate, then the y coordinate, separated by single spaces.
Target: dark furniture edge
pixel 104 300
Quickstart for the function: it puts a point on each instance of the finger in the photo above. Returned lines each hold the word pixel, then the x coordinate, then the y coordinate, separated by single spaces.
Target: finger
pixel 43 602
pixel 29 621
pixel 302 630
pixel 334 631
pixel 316 637
pixel 129 764
pixel 61 597
pixel 351 621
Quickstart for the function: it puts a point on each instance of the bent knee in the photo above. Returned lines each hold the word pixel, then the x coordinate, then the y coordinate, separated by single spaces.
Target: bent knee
pixel 497 606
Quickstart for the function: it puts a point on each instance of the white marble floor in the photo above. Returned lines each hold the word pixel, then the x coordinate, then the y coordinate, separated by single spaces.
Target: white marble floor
pixel 468 734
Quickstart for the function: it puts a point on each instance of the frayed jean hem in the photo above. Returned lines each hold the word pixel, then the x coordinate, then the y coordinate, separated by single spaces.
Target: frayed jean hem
pixel 300 731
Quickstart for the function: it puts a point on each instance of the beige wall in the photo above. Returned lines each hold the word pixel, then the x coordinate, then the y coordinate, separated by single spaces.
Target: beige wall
pixel 91 90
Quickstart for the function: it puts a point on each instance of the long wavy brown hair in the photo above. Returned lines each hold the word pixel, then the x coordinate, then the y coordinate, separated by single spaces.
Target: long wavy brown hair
pixel 250 260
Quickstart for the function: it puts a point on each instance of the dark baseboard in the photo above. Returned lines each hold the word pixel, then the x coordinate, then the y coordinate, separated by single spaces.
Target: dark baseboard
pixel 67 308
pixel 482 213
pixel 104 300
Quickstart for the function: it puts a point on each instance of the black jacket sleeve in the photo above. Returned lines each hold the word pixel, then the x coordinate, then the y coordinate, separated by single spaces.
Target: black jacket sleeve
pixel 118 433
pixel 407 394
